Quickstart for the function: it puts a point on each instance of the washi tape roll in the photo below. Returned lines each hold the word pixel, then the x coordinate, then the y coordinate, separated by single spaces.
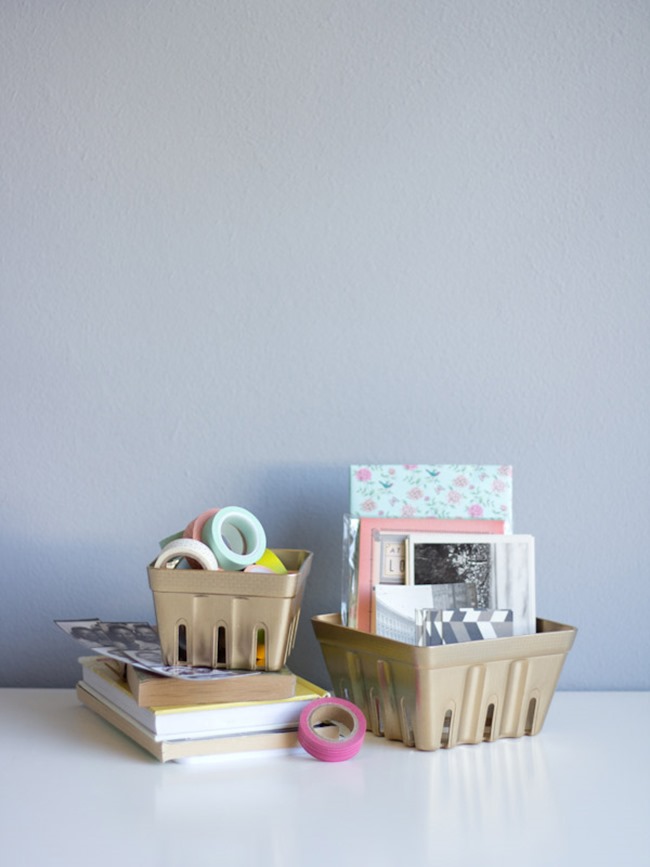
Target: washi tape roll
pixel 194 550
pixel 216 532
pixel 347 724
pixel 171 538
pixel 233 537
pixel 272 562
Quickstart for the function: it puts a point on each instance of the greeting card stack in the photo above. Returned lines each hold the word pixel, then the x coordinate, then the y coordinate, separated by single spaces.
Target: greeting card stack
pixel 430 556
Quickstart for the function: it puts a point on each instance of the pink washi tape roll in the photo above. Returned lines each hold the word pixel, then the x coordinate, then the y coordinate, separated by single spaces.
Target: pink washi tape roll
pixel 193 529
pixel 341 732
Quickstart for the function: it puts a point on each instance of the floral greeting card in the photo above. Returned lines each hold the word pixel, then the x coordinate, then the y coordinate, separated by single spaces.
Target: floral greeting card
pixel 432 491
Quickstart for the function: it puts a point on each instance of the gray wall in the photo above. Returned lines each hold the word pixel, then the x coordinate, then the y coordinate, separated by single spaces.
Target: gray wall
pixel 245 244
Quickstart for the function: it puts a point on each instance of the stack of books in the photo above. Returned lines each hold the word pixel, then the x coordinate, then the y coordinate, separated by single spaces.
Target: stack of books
pixel 188 720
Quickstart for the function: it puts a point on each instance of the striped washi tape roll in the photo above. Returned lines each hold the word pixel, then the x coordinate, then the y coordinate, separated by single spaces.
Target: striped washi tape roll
pixel 325 716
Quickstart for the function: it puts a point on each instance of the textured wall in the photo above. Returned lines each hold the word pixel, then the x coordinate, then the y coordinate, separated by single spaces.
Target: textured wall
pixel 245 244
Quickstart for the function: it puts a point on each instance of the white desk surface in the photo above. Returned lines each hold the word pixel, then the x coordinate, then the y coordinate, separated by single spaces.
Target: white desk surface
pixel 75 791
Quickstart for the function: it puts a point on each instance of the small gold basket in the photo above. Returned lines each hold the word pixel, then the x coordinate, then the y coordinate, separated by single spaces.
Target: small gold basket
pixel 238 620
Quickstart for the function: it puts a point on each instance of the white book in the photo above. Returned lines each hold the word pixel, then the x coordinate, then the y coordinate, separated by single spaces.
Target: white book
pixel 194 721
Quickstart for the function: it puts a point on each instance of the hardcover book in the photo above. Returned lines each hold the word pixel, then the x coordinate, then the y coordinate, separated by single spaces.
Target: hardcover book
pixel 154 690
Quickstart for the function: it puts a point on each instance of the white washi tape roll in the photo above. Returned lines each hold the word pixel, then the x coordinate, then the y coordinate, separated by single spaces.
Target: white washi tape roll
pixel 191 548
pixel 325 716
pixel 218 528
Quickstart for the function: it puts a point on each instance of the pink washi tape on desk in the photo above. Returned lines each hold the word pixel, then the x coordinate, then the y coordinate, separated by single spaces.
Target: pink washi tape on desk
pixel 337 717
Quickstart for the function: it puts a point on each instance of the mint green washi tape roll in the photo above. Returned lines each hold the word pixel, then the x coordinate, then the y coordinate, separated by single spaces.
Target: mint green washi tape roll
pixel 218 529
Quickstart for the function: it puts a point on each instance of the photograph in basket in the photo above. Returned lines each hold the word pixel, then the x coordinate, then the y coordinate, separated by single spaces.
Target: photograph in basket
pixel 400 611
pixel 500 569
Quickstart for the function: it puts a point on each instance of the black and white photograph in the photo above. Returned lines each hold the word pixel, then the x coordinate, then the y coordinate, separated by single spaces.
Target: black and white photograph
pixel 136 643
pixel 94 633
pixel 501 569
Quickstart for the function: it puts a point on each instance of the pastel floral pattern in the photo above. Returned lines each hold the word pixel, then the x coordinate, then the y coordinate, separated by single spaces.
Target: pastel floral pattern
pixel 432 491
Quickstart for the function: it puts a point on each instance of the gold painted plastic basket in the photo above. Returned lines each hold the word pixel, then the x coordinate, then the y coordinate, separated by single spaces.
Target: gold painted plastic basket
pixel 221 619
pixel 433 697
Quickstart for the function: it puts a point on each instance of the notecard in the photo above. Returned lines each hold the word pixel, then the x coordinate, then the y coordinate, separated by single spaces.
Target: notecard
pixel 452 626
pixel 432 490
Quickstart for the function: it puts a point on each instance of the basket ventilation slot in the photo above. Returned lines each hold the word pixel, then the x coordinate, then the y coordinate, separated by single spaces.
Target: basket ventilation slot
pixel 375 704
pixel 446 730
pixel 489 722
pixel 530 719
pixel 260 659
pixel 221 645
pixel 182 643
pixel 407 727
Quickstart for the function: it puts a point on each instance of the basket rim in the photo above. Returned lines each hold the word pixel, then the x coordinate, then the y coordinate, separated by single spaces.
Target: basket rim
pixel 551 638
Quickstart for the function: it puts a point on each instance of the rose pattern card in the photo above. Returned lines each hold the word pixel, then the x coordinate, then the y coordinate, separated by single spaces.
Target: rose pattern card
pixel 432 491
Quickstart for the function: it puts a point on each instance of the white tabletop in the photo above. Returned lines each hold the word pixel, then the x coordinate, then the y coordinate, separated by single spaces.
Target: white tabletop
pixel 75 791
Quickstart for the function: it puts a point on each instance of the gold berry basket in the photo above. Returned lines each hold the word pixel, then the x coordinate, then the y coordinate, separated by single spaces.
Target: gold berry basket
pixel 433 697
pixel 233 620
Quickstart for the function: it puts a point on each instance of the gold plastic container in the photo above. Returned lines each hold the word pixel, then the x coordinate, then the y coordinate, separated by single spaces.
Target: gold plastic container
pixel 220 619
pixel 433 697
